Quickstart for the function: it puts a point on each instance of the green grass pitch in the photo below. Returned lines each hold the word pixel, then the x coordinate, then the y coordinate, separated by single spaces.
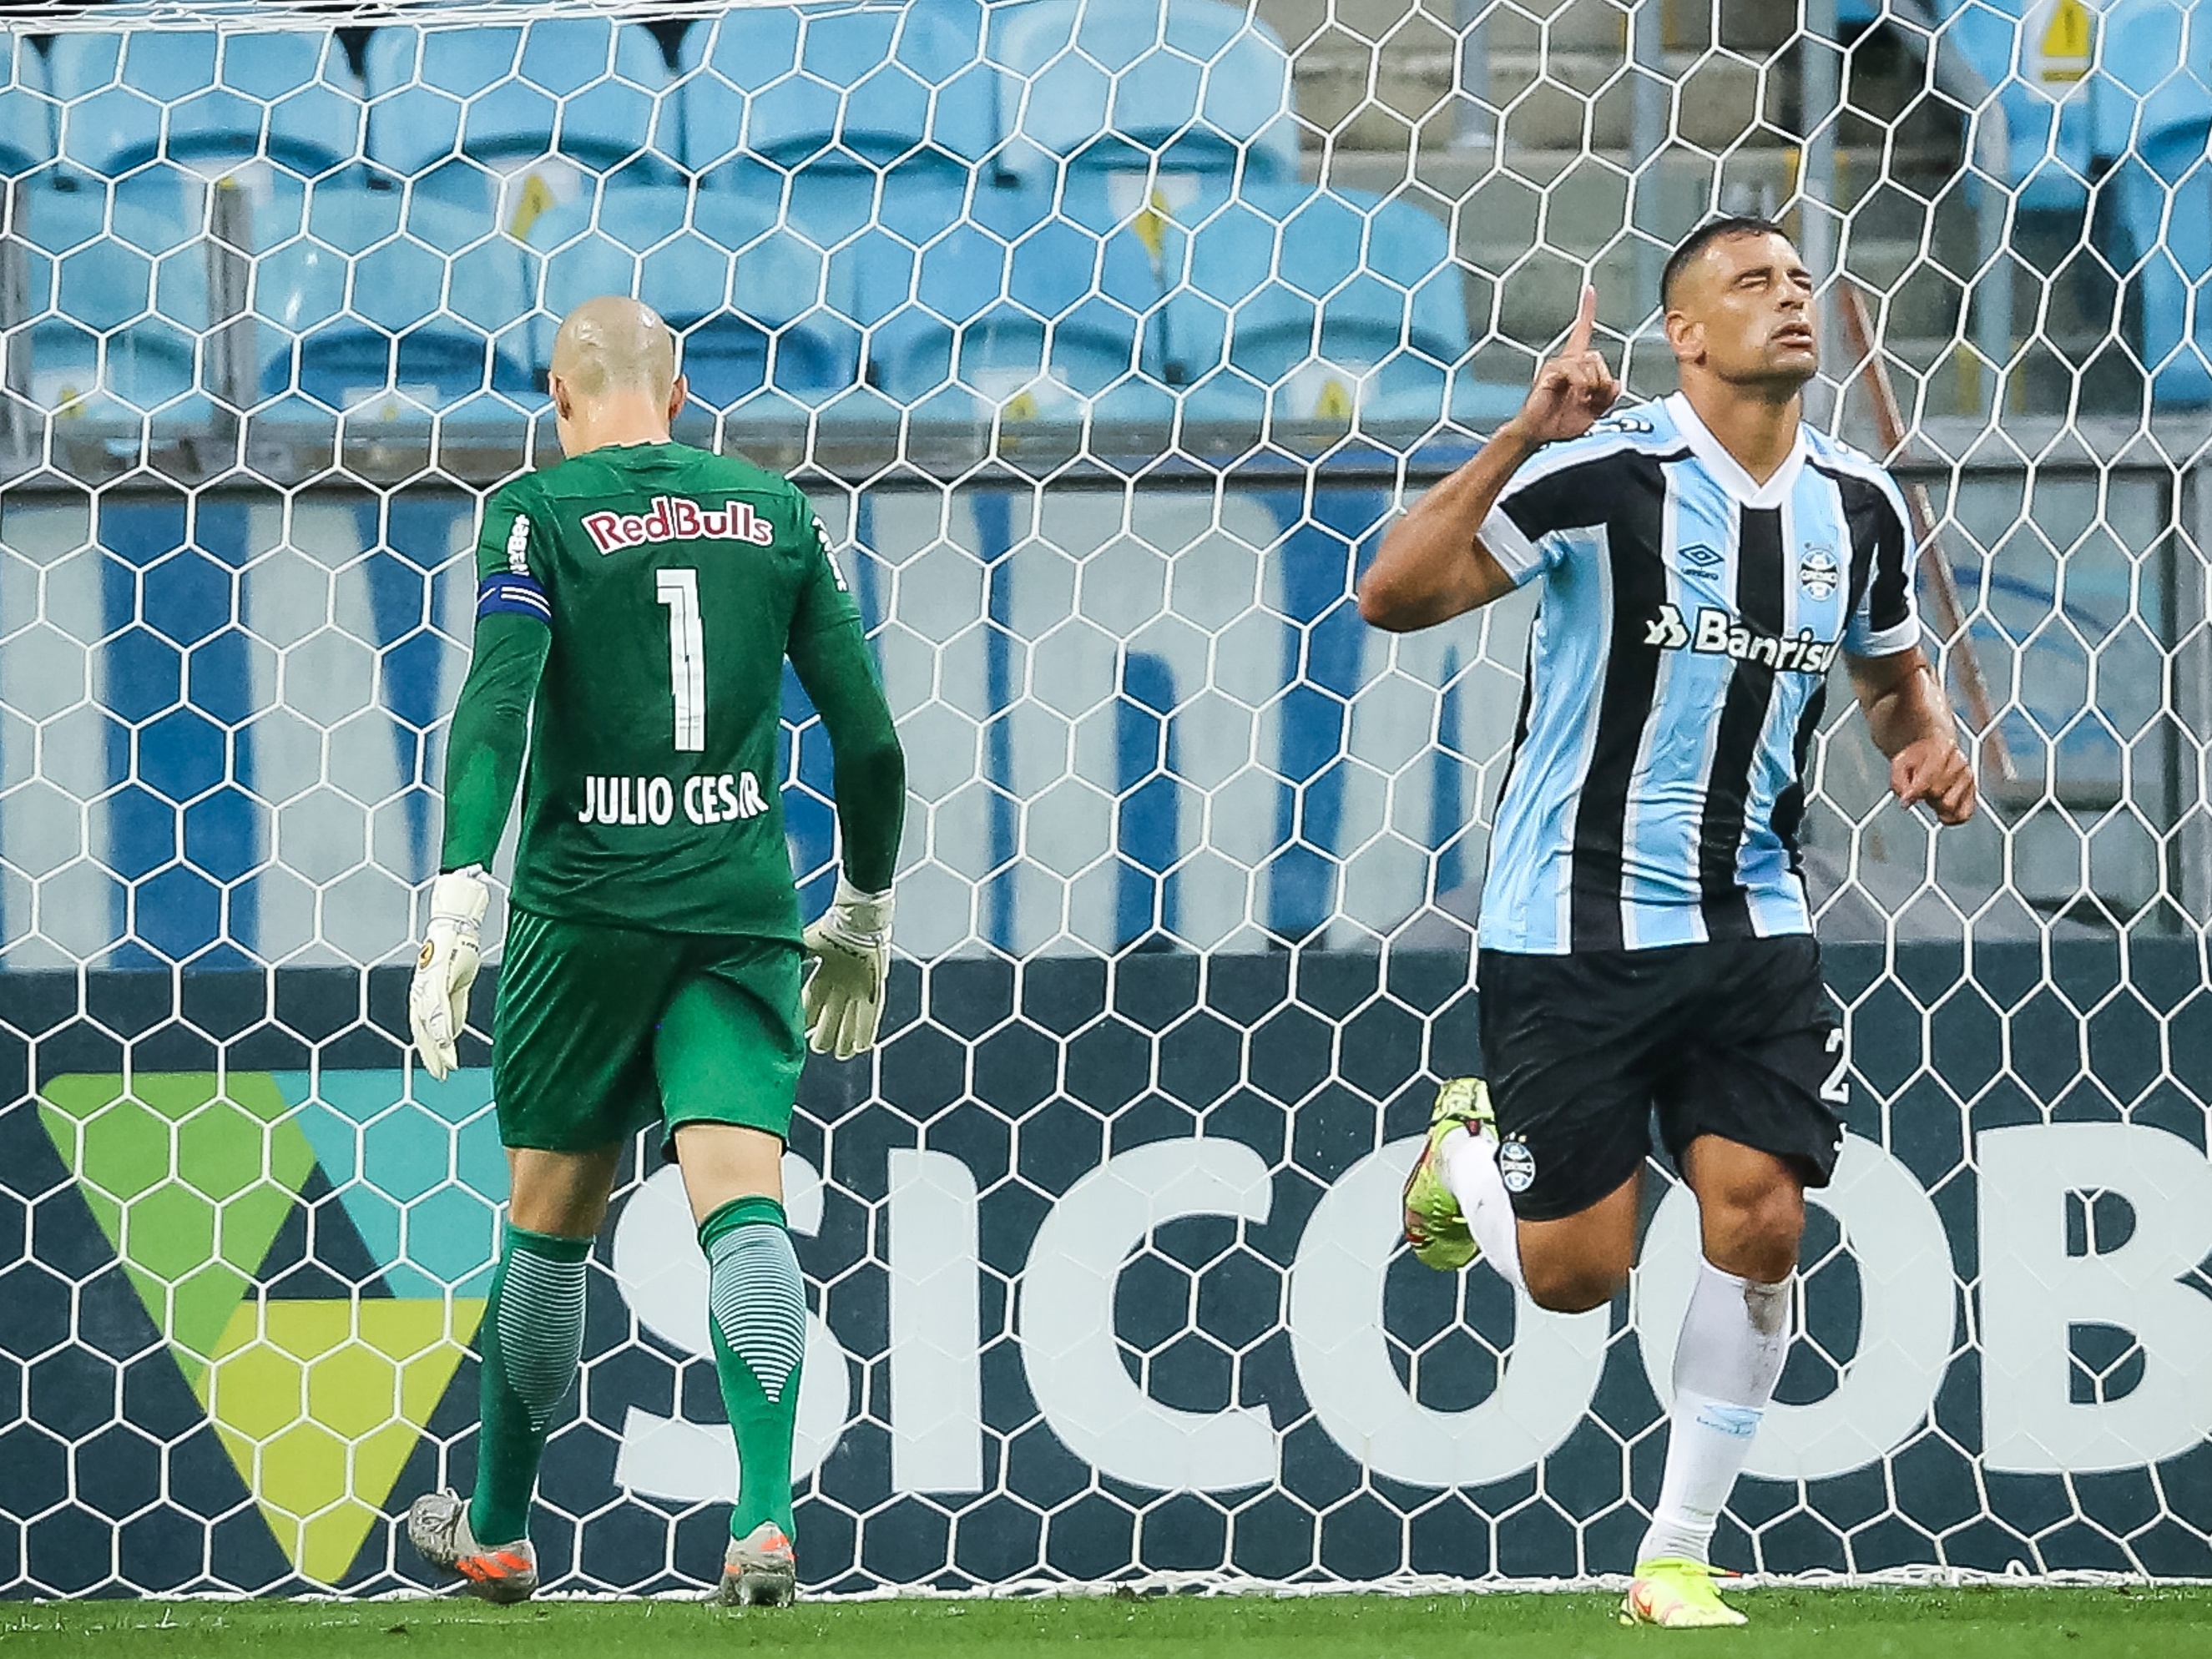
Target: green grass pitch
pixel 2003 1623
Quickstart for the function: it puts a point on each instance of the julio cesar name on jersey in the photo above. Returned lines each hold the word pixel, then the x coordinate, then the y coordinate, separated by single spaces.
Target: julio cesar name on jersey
pixel 728 797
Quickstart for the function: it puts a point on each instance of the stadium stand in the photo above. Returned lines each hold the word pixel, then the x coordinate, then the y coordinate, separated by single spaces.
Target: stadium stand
pixel 2153 124
pixel 1183 85
pixel 1364 316
pixel 907 208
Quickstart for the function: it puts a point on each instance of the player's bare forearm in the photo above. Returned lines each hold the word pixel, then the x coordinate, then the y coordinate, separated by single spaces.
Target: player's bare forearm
pixel 1910 721
pixel 490 735
pixel 1433 566
pixel 870 766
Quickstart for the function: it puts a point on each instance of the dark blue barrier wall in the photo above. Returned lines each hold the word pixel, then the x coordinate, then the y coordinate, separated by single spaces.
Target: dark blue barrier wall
pixel 1030 1078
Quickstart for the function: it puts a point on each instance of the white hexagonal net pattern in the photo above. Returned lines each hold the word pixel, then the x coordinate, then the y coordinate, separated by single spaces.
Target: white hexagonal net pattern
pixel 1107 337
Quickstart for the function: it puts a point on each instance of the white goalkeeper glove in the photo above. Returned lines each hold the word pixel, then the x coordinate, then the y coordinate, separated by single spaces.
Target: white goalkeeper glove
pixel 438 1000
pixel 851 946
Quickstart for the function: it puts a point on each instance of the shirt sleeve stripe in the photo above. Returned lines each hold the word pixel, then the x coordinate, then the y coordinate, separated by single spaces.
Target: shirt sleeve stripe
pixel 1506 543
pixel 1888 641
pixel 513 593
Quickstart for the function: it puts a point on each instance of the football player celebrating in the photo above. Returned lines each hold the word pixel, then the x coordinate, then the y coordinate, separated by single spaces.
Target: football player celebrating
pixel 1645 941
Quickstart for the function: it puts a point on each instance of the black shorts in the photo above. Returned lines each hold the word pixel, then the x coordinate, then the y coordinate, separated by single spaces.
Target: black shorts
pixel 1732 1038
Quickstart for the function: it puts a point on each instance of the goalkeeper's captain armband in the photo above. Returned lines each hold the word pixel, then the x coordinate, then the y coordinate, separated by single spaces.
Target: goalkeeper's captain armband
pixel 851 945
pixel 444 967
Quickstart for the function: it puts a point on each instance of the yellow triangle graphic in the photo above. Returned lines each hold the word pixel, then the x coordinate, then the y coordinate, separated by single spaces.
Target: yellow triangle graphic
pixel 2067 42
pixel 1151 226
pixel 320 1403
pixel 530 203
pixel 1334 402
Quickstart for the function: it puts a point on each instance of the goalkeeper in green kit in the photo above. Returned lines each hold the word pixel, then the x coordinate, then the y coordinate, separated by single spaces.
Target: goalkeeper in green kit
pixel 634 607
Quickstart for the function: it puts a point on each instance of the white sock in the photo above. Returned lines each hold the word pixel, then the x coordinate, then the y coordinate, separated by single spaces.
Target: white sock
pixel 1470 1171
pixel 1734 1341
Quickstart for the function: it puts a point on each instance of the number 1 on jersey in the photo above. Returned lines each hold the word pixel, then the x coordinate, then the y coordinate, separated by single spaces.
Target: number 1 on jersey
pixel 687 656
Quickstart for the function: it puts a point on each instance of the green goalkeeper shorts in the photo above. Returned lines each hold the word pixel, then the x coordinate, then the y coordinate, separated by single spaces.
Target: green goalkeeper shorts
pixel 603 1032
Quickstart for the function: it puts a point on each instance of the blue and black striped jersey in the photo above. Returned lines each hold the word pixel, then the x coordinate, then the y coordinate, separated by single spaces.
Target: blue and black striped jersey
pixel 1676 676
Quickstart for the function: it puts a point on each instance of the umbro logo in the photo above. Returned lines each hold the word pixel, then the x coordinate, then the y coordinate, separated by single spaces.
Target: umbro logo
pixel 1719 634
pixel 1702 558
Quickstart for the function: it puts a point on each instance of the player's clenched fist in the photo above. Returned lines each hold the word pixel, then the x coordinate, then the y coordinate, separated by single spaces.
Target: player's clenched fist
pixel 1574 390
pixel 438 1000
pixel 1935 770
pixel 850 948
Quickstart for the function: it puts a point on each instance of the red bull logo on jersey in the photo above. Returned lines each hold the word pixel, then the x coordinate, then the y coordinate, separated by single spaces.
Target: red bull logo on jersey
pixel 674 520
pixel 1717 634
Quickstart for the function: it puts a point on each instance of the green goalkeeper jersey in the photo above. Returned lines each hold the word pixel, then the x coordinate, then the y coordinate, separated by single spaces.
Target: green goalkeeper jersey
pixel 649 594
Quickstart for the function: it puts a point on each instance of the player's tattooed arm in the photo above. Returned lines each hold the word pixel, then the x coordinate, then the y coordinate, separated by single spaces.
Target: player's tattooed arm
pixel 1910 721
pixel 1433 565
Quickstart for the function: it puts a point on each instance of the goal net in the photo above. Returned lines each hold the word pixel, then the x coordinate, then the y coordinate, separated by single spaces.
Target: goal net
pixel 1108 335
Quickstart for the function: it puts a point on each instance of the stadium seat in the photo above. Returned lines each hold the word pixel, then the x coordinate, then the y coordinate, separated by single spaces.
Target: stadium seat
pixel 870 88
pixel 27 118
pixel 2047 123
pixel 2154 74
pixel 749 296
pixel 1316 305
pixel 2153 104
pixel 855 140
pixel 171 139
pixel 1023 314
pixel 284 98
pixel 359 314
pixel 516 120
pixel 2160 189
pixel 1092 87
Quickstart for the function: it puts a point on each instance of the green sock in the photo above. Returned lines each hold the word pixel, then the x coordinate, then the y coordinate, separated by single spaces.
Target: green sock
pixel 756 1308
pixel 532 1338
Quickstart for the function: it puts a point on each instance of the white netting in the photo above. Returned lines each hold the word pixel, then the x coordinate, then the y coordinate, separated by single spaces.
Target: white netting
pixel 1109 334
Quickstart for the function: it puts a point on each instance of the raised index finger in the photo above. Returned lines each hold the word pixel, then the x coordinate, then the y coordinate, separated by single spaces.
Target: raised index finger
pixel 1578 336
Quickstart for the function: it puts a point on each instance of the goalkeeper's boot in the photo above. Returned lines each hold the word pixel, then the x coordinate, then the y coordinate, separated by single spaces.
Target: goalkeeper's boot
pixel 1433 1223
pixel 438 1527
pixel 1675 1593
pixel 759 1570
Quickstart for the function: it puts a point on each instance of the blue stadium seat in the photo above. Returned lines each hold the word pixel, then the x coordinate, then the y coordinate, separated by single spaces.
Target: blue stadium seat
pixel 854 140
pixel 360 313
pixel 249 117
pixel 1100 85
pixel 517 118
pixel 2154 74
pixel 750 297
pixel 2153 103
pixel 1020 312
pixel 865 88
pixel 1318 304
pixel 2160 189
pixel 286 98
pixel 120 342
pixel 27 118
pixel 2047 127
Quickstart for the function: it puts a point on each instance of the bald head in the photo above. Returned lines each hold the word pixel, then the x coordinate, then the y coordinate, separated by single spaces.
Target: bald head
pixel 613 344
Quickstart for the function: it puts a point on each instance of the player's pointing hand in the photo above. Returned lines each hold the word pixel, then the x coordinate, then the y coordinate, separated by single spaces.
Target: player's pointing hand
pixel 1574 390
